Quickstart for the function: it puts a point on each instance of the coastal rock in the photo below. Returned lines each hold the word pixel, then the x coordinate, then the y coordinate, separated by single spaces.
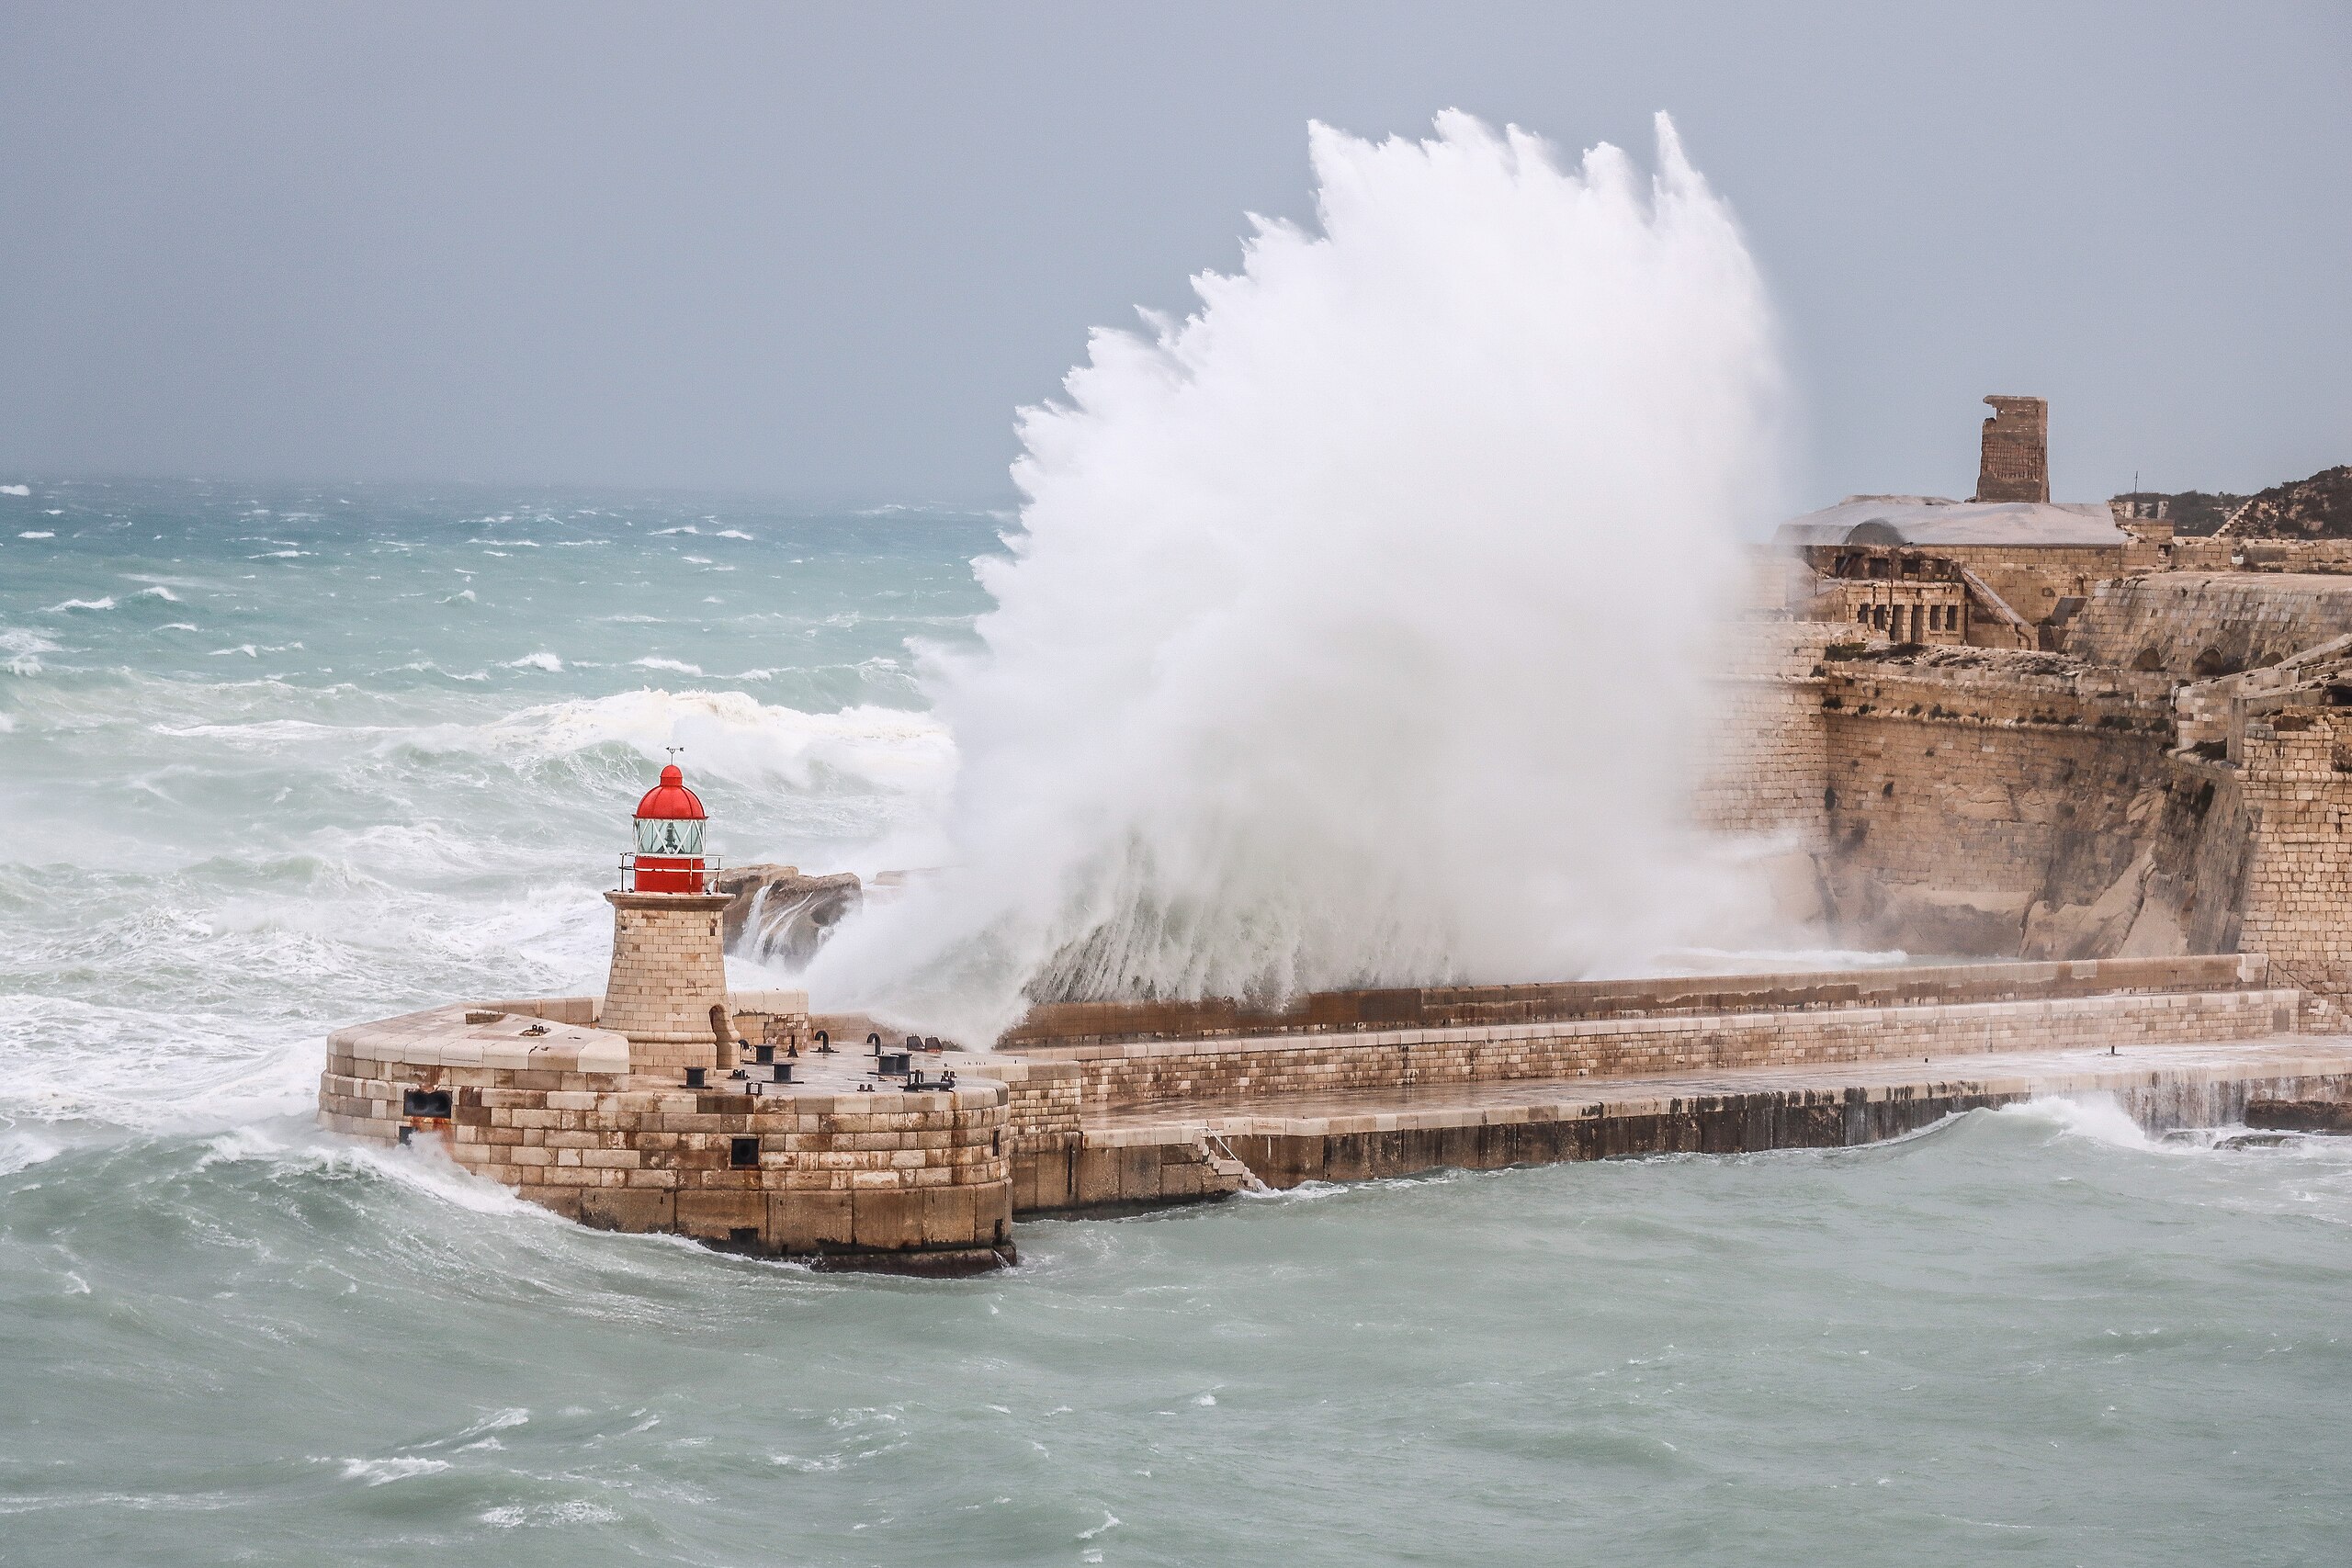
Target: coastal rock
pixel 781 912
pixel 2300 1115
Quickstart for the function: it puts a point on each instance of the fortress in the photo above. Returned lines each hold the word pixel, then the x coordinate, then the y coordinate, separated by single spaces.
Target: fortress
pixel 2101 769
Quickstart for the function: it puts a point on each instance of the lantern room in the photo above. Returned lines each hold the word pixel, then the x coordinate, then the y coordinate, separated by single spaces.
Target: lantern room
pixel 669 853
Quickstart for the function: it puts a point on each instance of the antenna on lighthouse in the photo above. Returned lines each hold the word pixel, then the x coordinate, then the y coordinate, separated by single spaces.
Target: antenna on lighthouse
pixel 673 751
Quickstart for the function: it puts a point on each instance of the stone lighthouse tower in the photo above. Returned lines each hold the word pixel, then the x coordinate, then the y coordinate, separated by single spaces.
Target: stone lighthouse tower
pixel 669 976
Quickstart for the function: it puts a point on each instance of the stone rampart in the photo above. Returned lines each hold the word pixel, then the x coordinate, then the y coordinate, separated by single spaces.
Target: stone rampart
pixel 2296 776
pixel 1763 772
pixel 2197 624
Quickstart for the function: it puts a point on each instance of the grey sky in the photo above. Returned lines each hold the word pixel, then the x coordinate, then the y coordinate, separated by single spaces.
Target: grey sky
pixel 824 251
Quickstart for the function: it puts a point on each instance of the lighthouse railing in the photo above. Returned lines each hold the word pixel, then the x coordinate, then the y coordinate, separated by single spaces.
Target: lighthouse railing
pixel 696 872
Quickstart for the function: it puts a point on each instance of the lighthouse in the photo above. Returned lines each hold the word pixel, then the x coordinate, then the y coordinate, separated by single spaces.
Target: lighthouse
pixel 668 981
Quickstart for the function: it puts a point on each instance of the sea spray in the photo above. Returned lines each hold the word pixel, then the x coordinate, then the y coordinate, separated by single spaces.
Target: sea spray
pixel 1358 625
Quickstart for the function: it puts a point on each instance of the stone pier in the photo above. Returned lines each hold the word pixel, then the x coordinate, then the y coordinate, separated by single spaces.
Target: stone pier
pixel 1103 1106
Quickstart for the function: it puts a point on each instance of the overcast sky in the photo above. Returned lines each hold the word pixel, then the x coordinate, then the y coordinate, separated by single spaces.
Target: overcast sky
pixel 825 251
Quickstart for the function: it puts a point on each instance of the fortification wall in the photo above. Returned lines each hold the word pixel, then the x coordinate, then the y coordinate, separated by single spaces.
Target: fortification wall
pixel 1971 796
pixel 2296 778
pixel 2199 624
pixel 2032 581
pixel 2228 552
pixel 1764 772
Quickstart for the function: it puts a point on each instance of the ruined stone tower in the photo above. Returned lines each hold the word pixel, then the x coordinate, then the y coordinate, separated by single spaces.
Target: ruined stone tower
pixel 2015 462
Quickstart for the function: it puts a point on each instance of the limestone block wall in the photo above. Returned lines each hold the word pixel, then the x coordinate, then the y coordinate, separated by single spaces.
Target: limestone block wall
pixel 920 1177
pixel 1765 764
pixel 2226 552
pixel 2199 624
pixel 669 967
pixel 1045 1101
pixel 2032 579
pixel 1204 1073
pixel 2297 780
pixel 1960 798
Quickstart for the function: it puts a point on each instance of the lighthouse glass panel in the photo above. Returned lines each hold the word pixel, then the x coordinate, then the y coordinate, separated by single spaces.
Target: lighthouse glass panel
pixel 668 836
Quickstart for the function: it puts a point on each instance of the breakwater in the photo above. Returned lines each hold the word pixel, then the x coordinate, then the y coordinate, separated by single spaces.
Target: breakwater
pixel 921 1160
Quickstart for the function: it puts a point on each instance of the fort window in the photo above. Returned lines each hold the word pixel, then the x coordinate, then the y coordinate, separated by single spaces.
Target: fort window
pixel 743 1152
pixel 425 1102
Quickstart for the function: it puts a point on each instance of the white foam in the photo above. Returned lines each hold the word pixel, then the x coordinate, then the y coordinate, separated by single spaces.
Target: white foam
pixel 383 1472
pixel 36 533
pixel 19 640
pixel 732 533
pixel 541 660
pixel 16 490
pixel 675 665
pixel 2100 1118
pixel 1359 628
pixel 105 603
pixel 158 591
pixel 577 1511
pixel 736 736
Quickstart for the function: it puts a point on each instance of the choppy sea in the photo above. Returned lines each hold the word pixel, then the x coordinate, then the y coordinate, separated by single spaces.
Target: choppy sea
pixel 272 760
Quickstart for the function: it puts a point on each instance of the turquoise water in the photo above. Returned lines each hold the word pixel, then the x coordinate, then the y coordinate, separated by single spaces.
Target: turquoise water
pixel 299 789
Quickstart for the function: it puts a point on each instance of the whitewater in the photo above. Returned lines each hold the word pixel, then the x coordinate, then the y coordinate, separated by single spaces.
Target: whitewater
pixel 1358 626
pixel 275 759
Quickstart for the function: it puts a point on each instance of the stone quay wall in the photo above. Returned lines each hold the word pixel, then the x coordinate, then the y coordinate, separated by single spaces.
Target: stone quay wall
pixel 1127 1077
pixel 1344 1149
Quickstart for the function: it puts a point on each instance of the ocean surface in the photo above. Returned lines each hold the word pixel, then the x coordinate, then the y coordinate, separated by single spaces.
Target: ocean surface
pixel 273 760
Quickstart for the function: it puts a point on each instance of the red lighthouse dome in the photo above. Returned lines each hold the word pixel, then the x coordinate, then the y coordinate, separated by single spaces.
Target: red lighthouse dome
pixel 670 822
